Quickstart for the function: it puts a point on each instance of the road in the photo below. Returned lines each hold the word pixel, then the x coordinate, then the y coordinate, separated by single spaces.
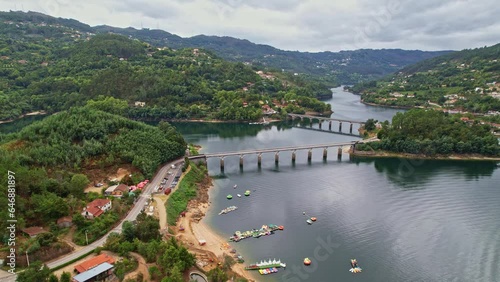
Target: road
pixel 131 216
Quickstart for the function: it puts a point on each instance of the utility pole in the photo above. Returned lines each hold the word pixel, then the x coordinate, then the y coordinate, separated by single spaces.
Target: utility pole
pixel 87 238
pixel 27 259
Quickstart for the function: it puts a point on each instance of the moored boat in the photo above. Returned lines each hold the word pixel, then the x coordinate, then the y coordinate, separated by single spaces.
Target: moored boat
pixel 228 209
pixel 266 264
pixel 313 218
pixel 354 266
pixel 309 221
pixel 239 196
pixel 307 261
pixel 229 197
pixel 247 193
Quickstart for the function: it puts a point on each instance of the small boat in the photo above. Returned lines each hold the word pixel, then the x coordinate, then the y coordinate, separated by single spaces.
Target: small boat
pixel 247 193
pixel 235 186
pixel 354 266
pixel 309 221
pixel 229 197
pixel 307 261
pixel 239 196
pixel 313 218
pixel 281 227
pixel 304 213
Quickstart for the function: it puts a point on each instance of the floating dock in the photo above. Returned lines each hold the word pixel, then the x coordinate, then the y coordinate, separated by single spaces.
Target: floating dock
pixel 256 233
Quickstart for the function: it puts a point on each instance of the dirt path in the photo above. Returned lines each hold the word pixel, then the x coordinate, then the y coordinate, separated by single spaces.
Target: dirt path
pixel 162 211
pixel 142 268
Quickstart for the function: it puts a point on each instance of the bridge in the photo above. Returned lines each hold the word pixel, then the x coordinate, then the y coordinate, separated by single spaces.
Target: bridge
pixel 276 152
pixel 327 131
pixel 327 119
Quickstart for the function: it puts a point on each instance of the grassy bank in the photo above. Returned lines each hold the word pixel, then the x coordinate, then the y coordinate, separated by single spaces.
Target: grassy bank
pixel 178 201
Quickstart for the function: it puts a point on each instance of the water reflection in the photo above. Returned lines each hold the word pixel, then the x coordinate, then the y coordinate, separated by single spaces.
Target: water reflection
pixel 403 171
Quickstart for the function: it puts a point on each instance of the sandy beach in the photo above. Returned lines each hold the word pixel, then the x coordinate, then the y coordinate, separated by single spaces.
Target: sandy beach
pixel 196 229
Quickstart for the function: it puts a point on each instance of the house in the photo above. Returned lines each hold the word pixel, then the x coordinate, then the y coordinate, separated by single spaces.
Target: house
pixel 102 272
pixel 109 191
pixel 34 231
pixel 140 104
pixel 120 190
pixel 93 262
pixel 96 208
pixel 66 221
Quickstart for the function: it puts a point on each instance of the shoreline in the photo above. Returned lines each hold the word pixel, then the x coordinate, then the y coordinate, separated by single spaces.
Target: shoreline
pixel 453 157
pixel 386 106
pixel 196 228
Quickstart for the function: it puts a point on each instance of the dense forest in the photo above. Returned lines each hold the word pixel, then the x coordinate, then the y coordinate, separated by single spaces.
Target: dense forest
pixel 50 159
pixel 52 68
pixel 330 68
pixel 468 80
pixel 431 132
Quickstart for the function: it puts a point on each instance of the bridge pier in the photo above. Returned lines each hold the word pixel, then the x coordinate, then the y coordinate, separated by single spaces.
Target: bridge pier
pixel 339 153
pixel 241 161
pixel 277 157
pixel 222 164
pixel 340 127
pixel 325 154
pixel 309 155
pixel 294 155
pixel 320 123
pixel 330 125
pixel 350 129
pixel 259 160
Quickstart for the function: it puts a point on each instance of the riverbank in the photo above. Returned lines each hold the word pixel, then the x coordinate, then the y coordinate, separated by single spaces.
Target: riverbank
pixel 386 106
pixel 385 154
pixel 191 229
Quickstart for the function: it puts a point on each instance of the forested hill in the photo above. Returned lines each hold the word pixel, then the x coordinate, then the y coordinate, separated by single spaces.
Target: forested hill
pixel 345 67
pixel 50 67
pixel 55 159
pixel 468 80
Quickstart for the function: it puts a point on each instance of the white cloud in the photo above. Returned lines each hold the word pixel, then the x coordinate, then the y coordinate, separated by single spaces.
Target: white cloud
pixel 306 25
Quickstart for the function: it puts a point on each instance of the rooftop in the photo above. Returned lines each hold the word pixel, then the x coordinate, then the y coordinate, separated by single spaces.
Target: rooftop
pixel 93 262
pixel 84 276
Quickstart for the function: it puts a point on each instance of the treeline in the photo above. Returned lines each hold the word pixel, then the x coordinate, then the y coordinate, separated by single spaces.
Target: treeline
pixel 56 74
pixel 432 132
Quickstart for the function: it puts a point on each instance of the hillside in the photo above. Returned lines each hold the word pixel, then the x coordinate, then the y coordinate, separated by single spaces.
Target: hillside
pixel 345 67
pixel 468 80
pixel 51 67
pixel 53 161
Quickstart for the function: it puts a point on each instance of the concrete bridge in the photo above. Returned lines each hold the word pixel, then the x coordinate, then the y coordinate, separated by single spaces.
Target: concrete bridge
pixel 327 119
pixel 327 131
pixel 276 152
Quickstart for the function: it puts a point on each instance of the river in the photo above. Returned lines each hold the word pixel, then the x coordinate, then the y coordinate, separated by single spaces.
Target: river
pixel 402 220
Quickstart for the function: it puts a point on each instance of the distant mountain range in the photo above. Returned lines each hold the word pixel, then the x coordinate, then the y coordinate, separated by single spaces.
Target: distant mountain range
pixel 344 67
pixel 467 80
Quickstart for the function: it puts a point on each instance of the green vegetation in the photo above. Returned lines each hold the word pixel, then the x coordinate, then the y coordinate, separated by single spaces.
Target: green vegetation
pixel 467 80
pixel 430 133
pixel 35 272
pixel 187 190
pixel 52 71
pixel 171 258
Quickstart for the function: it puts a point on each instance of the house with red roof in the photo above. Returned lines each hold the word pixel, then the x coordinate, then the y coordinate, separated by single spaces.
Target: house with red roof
pixel 34 231
pixel 96 208
pixel 93 262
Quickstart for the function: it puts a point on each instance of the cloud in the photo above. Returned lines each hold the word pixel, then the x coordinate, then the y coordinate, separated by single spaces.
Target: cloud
pixel 305 25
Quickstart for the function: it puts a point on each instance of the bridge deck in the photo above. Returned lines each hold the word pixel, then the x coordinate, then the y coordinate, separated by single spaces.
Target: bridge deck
pixel 275 150
pixel 325 118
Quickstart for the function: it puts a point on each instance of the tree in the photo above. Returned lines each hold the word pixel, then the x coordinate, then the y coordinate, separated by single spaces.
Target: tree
pixel 217 275
pixel 128 231
pixel 53 278
pixel 35 272
pixel 174 276
pixel 370 124
pixel 78 184
pixel 65 277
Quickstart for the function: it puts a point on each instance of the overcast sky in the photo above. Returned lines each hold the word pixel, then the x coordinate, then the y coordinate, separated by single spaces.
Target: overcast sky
pixel 304 25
